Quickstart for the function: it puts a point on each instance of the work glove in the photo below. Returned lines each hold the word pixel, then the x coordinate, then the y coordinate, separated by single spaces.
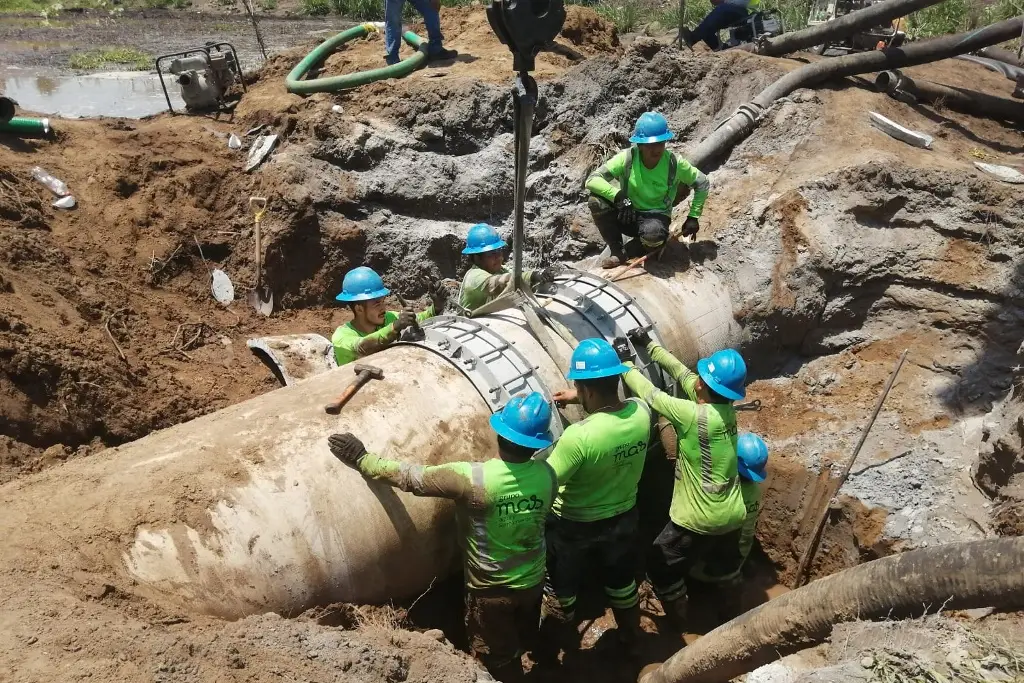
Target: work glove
pixel 622 349
pixel 640 337
pixel 438 297
pixel 690 227
pixel 542 276
pixel 347 448
pixel 627 215
pixel 407 318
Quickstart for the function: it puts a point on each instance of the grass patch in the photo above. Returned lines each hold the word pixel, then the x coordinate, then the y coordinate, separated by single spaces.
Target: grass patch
pixel 49 8
pixel 127 57
pixel 267 5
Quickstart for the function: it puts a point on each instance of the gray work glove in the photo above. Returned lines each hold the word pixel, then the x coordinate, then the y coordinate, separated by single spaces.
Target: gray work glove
pixel 347 448
pixel 407 318
pixel 622 349
pixel 690 227
pixel 640 337
pixel 438 297
pixel 627 215
pixel 542 276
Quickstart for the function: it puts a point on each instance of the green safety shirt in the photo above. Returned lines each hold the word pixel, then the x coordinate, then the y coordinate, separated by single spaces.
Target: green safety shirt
pixel 501 510
pixel 351 344
pixel 649 188
pixel 480 287
pixel 598 463
pixel 751 493
pixel 706 498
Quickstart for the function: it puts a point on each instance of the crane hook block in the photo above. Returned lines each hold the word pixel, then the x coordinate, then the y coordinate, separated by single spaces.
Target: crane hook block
pixel 526 26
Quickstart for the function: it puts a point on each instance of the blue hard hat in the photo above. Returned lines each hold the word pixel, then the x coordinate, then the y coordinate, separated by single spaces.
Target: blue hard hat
pixel 751 456
pixel 525 420
pixel 594 358
pixel 362 284
pixel 482 238
pixel 651 127
pixel 725 373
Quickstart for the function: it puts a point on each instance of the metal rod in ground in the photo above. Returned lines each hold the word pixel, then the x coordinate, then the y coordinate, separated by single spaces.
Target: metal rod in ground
pixel 812 546
pixel 255 27
pixel 682 23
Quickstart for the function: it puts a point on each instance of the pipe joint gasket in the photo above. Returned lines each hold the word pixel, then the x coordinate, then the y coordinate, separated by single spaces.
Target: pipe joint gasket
pixel 600 308
pixel 494 366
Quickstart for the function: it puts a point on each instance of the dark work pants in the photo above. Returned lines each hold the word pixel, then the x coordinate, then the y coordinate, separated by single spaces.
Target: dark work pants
pixel 720 17
pixel 502 623
pixel 677 549
pixel 653 227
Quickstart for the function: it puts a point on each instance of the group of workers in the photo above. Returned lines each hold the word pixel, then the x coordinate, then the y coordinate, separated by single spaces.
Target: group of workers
pixel 543 512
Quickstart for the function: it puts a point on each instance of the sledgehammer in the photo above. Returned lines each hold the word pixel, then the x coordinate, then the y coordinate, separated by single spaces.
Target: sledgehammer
pixel 364 373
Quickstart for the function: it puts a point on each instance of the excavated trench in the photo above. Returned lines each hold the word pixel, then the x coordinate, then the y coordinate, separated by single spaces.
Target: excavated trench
pixel 839 247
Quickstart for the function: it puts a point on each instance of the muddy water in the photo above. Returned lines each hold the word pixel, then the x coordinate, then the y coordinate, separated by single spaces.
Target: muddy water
pixel 36 54
pixel 127 94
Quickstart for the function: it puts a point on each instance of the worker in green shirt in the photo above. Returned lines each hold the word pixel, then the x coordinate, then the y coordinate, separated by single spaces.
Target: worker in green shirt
pixel 751 459
pixel 373 327
pixel 593 523
pixel 501 505
pixel 488 278
pixel 632 194
pixel 707 502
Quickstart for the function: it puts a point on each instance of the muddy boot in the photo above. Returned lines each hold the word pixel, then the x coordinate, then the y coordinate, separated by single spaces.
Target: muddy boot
pixel 627 622
pixel 676 611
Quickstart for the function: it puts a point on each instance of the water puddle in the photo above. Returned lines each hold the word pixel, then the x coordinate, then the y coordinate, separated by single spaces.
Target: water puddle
pixel 129 94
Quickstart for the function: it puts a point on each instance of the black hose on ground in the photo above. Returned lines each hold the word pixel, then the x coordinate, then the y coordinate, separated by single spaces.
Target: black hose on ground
pixel 954 576
pixel 904 88
pixel 749 115
pixel 1001 54
pixel 876 14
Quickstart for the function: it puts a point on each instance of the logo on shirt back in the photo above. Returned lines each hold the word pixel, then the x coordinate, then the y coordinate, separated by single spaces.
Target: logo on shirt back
pixel 626 451
pixel 515 504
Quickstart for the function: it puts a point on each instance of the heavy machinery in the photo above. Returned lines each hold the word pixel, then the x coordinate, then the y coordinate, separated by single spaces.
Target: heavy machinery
pixel 754 27
pixel 884 35
pixel 204 74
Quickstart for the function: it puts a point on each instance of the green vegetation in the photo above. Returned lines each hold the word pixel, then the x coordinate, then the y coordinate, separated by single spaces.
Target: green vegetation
pixel 126 57
pixel 316 8
pixel 268 5
pixel 49 8
pixel 951 16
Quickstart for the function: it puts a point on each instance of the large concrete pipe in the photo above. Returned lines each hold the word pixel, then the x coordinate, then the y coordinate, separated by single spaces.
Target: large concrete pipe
pixel 245 510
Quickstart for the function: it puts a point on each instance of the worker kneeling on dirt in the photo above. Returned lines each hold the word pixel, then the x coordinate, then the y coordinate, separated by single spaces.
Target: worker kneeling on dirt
pixel 707 501
pixel 501 504
pixel 723 14
pixel 373 327
pixel 751 459
pixel 598 463
pixel 632 194
pixel 488 278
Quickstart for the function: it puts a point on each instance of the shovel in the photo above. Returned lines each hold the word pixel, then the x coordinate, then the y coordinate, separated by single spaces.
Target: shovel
pixel 261 299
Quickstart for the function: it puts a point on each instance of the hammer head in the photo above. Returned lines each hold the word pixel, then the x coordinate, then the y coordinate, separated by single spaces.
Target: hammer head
pixel 368 371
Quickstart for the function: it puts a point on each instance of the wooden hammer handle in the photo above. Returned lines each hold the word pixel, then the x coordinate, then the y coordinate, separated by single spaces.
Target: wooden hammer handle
pixel 335 406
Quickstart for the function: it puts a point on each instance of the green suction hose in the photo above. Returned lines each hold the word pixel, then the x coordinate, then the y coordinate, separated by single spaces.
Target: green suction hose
pixel 20 125
pixel 294 84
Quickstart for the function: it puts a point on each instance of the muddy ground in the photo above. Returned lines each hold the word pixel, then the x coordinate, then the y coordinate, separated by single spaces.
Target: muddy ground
pixel 841 248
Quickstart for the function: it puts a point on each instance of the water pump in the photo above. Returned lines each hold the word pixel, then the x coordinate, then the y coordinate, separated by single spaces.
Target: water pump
pixel 204 75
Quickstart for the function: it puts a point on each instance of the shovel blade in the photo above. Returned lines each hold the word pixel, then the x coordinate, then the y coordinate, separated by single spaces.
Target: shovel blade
pixel 261 301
